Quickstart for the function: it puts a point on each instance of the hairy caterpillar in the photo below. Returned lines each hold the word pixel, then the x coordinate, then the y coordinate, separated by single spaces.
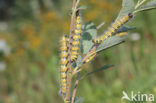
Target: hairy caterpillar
pixel 63 63
pixel 76 38
pixel 90 58
pixel 113 29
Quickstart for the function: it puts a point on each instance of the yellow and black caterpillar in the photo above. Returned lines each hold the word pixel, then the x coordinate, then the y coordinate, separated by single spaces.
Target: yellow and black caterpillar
pixel 90 58
pixel 113 29
pixel 76 39
pixel 63 63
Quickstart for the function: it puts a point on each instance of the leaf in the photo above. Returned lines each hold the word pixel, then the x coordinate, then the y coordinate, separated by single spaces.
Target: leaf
pixel 110 42
pixel 127 7
pixel 79 61
pixel 89 32
pixel 97 70
pixel 125 29
pixel 82 7
pixel 79 100
pixel 149 5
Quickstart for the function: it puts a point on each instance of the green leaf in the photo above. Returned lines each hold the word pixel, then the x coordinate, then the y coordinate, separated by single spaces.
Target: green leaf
pixel 125 29
pixel 79 100
pixel 82 7
pixel 127 7
pixel 110 42
pixel 149 5
pixel 89 32
pixel 97 70
pixel 79 61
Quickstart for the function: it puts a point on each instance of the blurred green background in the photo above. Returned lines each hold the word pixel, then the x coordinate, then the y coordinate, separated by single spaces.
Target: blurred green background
pixel 29 52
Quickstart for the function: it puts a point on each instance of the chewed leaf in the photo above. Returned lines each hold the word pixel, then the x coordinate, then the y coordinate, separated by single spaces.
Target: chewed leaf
pixel 110 42
pixel 125 29
pixel 127 7
pixel 149 5
pixel 79 100
pixel 97 70
pixel 89 32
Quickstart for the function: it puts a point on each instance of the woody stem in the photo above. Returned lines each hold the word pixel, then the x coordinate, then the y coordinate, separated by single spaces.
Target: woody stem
pixel 69 70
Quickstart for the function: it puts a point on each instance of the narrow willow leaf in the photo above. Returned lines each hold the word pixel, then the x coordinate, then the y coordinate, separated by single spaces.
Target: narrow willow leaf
pixel 97 70
pixel 127 7
pixel 125 29
pixel 149 5
pixel 89 32
pixel 110 42
pixel 82 7
pixel 79 100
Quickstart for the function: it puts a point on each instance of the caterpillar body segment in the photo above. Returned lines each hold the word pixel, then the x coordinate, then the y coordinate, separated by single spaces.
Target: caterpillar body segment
pixel 113 29
pixel 76 38
pixel 65 54
pixel 63 64
pixel 67 101
pixel 76 43
pixel 97 40
pixel 90 58
pixel 122 34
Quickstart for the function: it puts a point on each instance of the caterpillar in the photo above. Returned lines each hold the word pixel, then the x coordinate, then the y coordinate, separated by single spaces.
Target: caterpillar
pixel 63 64
pixel 76 38
pixel 90 58
pixel 113 29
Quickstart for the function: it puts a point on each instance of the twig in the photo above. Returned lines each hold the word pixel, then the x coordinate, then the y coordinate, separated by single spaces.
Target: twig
pixel 72 26
pixel 77 70
pixel 75 88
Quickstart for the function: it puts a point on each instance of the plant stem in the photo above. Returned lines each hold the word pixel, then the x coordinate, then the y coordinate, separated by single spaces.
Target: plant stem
pixel 75 88
pixel 69 69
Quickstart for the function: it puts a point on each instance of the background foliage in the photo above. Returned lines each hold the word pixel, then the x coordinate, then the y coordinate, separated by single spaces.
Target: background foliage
pixel 31 29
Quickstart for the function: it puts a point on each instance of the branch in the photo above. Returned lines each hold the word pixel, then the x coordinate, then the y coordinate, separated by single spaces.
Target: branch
pixel 69 70
pixel 75 88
